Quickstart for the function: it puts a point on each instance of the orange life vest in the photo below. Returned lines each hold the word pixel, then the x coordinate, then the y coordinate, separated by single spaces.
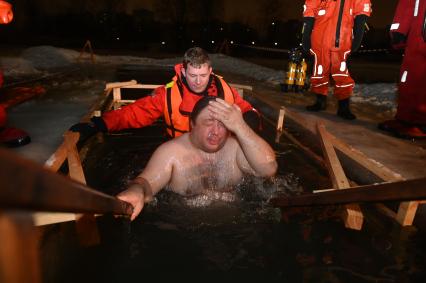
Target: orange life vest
pixel 178 123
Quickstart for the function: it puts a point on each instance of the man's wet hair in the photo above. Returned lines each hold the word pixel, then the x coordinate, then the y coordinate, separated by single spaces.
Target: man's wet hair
pixel 196 57
pixel 199 106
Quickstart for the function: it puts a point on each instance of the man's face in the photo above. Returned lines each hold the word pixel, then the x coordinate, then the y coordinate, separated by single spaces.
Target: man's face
pixel 207 133
pixel 197 78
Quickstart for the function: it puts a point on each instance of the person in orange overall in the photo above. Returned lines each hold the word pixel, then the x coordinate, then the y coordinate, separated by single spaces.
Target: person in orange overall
pixel 332 30
pixel 409 31
pixel 174 101
pixel 10 137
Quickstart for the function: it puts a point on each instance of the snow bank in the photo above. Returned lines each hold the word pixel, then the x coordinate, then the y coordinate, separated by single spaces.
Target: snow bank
pixel 381 94
pixel 48 57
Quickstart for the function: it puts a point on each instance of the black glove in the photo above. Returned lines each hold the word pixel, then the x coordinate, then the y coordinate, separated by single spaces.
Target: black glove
pixel 87 130
pixel 308 26
pixel 359 28
pixel 398 40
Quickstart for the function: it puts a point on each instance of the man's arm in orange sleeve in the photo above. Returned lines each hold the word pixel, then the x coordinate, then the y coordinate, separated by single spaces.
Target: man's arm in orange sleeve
pixel 143 112
pixel 250 114
pixel 244 105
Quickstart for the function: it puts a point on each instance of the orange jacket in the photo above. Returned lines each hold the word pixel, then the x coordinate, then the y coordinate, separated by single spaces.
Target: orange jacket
pixel 6 14
pixel 334 20
pixel 177 119
pixel 145 111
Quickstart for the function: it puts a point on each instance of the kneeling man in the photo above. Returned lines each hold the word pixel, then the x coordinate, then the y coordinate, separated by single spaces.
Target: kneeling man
pixel 214 155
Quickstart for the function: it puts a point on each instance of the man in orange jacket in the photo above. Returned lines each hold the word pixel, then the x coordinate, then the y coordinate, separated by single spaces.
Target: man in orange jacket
pixel 174 101
pixel 332 30
pixel 409 31
pixel 11 137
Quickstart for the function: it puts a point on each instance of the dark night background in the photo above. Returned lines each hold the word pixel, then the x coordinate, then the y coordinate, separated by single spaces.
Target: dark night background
pixel 170 25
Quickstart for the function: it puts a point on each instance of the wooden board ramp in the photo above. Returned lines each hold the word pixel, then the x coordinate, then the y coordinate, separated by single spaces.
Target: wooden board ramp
pixel 406 210
pixel 352 215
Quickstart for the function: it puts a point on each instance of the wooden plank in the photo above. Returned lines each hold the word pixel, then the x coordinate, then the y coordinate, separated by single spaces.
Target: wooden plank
pixel 120 84
pixel 87 229
pixel 393 191
pixel 47 218
pixel 116 97
pixel 245 87
pixel 336 172
pixel 142 86
pixel 406 211
pixel 352 214
pixel 280 123
pixel 19 258
pixel 376 168
pixel 56 160
pixel 75 169
pixel 27 185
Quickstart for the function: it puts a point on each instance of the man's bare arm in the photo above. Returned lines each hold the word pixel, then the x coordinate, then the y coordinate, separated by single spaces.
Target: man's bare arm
pixel 258 153
pixel 154 177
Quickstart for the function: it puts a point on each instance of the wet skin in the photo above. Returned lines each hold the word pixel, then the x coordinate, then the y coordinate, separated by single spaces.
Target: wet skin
pixel 207 158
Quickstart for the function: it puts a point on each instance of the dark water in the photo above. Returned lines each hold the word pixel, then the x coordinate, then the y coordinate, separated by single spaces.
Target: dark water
pixel 244 240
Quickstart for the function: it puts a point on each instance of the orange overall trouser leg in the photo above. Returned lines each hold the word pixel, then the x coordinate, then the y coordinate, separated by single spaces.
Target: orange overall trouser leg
pixel 329 62
pixel 344 84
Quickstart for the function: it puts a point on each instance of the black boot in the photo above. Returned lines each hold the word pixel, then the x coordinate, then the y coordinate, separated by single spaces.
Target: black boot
pixel 319 105
pixel 13 137
pixel 344 111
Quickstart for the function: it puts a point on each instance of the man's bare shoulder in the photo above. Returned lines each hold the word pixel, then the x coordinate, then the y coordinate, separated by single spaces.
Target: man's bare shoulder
pixel 175 144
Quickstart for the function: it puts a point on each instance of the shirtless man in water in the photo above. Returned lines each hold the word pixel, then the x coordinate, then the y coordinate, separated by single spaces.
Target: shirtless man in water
pixel 206 158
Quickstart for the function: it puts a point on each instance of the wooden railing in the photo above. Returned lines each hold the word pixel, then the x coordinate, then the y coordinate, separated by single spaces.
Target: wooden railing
pixel 33 195
pixel 27 187
pixel 336 152
pixel 395 191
